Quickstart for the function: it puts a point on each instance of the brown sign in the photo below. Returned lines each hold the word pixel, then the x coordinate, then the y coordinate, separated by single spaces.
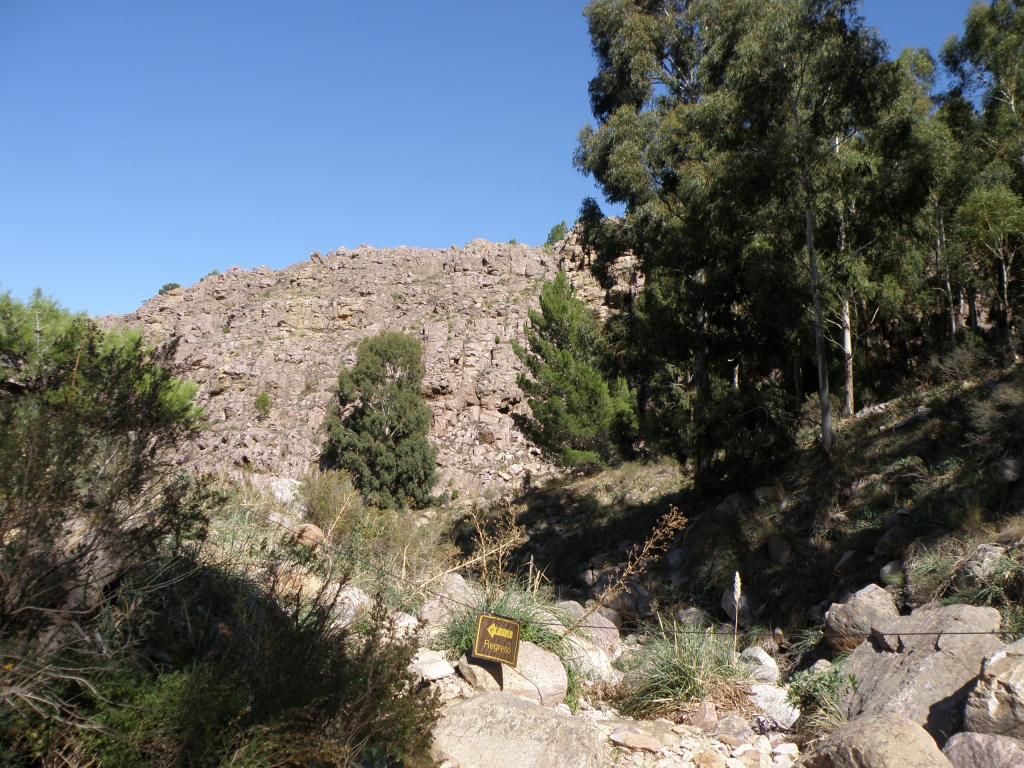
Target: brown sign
pixel 497 639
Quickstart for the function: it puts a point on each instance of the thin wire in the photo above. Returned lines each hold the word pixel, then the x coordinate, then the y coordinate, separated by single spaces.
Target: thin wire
pixel 662 630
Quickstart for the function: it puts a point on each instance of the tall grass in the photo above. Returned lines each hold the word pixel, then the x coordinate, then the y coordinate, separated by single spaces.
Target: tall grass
pixel 679 664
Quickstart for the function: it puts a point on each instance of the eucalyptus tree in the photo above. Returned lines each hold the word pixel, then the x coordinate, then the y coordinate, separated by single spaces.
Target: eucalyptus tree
pixel 717 127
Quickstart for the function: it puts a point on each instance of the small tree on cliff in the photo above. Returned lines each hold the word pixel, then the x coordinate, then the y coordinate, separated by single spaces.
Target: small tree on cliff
pixel 577 417
pixel 377 428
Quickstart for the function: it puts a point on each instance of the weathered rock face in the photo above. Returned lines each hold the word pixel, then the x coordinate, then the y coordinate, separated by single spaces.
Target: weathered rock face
pixel 996 703
pixel 921 668
pixel 289 332
pixel 983 750
pixel 878 741
pixel 496 730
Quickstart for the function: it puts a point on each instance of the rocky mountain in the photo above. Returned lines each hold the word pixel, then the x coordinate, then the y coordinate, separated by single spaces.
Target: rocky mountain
pixel 288 332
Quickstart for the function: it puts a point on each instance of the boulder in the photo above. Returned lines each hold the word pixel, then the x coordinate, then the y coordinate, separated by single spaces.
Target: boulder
pixel 749 607
pixel 984 750
pixel 309 536
pixel 453 595
pixel 848 624
pixel 352 605
pixel 430 665
pixel 497 730
pixel 917 666
pixel 877 741
pixel 538 675
pixel 996 703
pixel 594 626
pixel 774 703
pixel 763 668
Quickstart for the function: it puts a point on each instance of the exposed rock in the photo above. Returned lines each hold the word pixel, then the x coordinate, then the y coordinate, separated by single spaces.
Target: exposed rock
pixel 352 605
pixel 631 738
pixel 452 595
pixel 749 607
pixel 763 667
pixel 538 675
pixel 772 700
pixel 309 536
pixel 706 716
pixel 980 565
pixel 430 665
pixel 734 730
pixel 920 667
pixel 497 730
pixel 694 616
pixel 877 741
pixel 996 703
pixel 984 750
pixel 848 624
pixel 287 333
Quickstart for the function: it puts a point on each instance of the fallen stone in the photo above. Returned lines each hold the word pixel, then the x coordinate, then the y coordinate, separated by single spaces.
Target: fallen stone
pixel 848 624
pixel 877 741
pixel 431 665
pixel 984 750
pixel 772 701
pixel 497 730
pixel 633 739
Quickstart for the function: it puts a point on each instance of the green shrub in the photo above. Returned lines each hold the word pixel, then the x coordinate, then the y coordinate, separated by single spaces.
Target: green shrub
pixel 377 428
pixel 578 417
pixel 167 288
pixel 821 697
pixel 263 405
pixel 557 234
pixel 679 664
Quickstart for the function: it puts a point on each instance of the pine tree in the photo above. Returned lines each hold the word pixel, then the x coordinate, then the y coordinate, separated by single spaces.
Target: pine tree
pixel 578 418
pixel 377 428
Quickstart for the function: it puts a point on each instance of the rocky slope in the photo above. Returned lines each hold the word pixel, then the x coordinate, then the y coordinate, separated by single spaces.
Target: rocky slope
pixel 289 332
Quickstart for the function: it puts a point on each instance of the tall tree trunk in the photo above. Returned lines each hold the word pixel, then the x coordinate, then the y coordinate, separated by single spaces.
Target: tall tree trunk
pixel 819 328
pixel 844 310
pixel 702 450
pixel 1004 299
pixel 972 307
pixel 812 259
pixel 940 254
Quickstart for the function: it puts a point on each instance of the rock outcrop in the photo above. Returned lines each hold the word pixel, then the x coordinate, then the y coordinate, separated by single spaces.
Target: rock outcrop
pixel 921 667
pixel 287 333
pixel 496 730
pixel 996 703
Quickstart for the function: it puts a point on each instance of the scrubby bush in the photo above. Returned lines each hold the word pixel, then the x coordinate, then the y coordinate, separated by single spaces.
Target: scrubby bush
pixel 557 234
pixel 377 428
pixel 579 417
pixel 263 405
pixel 167 288
pixel 126 637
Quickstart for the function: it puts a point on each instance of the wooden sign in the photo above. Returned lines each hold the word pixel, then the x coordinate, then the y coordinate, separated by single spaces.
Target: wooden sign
pixel 497 639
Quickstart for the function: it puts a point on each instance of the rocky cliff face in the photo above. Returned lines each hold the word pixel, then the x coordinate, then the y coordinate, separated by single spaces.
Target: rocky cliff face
pixel 289 332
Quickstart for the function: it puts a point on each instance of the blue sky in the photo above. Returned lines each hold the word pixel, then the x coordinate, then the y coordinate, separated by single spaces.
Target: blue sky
pixel 149 142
